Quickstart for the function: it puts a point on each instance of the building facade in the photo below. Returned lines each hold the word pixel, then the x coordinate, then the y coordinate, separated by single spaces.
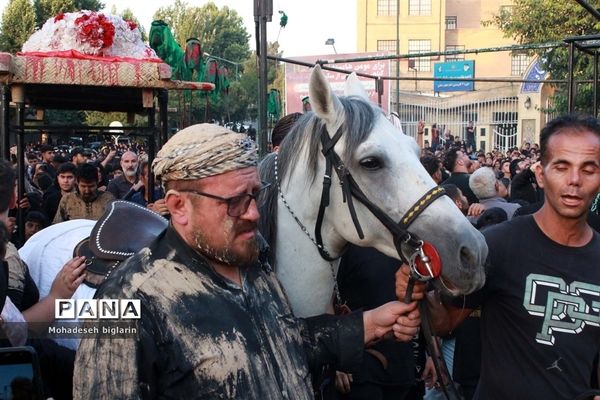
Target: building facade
pixel 505 113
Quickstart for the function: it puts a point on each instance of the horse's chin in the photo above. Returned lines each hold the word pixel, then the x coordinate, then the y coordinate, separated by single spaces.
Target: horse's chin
pixel 447 286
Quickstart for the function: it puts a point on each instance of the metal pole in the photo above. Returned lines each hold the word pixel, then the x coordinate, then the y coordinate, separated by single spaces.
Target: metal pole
pixel 403 78
pixel 570 77
pixel 595 84
pixel 589 8
pixel 21 168
pixel 536 46
pixel 5 122
pixel 262 69
pixel 397 59
pixel 151 150
pixel 379 87
pixel 265 13
pixel 163 104
pixel 325 67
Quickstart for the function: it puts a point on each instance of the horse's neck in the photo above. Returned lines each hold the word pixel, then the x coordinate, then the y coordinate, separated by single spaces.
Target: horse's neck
pixel 307 278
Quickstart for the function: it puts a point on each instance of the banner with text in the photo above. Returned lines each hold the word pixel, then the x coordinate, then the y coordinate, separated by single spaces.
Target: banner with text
pixel 456 70
pixel 297 78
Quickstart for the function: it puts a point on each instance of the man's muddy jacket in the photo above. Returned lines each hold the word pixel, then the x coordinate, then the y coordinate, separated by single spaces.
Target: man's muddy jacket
pixel 202 336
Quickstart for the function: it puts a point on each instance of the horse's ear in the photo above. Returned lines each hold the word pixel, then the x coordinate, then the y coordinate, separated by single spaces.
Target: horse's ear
pixel 354 87
pixel 322 99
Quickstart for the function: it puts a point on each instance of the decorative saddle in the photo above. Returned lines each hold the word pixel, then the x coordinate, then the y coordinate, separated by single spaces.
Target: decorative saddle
pixel 124 229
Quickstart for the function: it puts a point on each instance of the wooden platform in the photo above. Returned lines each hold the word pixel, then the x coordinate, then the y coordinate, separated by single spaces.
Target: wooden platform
pixel 91 72
pixel 89 84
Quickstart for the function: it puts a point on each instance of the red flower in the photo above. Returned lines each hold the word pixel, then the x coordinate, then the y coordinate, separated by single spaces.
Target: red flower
pixel 96 30
pixel 132 25
pixel 59 17
pixel 82 19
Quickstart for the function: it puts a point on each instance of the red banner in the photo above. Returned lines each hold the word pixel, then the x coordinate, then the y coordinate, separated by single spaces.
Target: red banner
pixel 297 77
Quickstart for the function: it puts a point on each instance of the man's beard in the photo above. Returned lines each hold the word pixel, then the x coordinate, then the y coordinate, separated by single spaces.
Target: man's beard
pixel 129 172
pixel 227 254
pixel 88 198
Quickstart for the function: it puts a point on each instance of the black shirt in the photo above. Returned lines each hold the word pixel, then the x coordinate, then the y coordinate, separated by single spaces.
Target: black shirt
pixel 539 314
pixel 366 280
pixel 461 180
pixel 119 186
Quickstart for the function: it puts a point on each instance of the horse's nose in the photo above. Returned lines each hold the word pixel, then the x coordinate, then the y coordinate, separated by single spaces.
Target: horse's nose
pixel 472 258
pixel 468 258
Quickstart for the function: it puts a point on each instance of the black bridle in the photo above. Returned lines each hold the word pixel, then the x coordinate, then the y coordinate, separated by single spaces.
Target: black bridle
pixel 408 245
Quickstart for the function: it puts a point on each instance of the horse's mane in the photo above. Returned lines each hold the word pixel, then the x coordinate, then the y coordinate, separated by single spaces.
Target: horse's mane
pixel 359 120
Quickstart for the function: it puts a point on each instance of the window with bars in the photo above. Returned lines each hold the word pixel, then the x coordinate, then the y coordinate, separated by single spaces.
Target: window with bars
pixel 422 64
pixel 450 23
pixel 455 57
pixel 386 8
pixel 419 7
pixel 386 45
pixel 518 64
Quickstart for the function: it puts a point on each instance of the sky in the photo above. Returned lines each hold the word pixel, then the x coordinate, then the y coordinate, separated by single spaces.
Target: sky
pixel 310 22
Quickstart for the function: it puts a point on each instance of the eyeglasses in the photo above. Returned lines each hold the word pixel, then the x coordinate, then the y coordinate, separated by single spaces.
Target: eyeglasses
pixel 236 205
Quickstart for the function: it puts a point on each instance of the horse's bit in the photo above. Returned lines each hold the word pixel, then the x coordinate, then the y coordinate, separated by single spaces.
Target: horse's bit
pixel 421 257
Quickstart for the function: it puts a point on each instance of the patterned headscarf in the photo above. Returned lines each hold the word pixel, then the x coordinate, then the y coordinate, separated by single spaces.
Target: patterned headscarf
pixel 204 150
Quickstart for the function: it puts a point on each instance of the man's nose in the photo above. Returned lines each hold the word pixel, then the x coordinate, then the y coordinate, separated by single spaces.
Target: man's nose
pixel 574 177
pixel 251 213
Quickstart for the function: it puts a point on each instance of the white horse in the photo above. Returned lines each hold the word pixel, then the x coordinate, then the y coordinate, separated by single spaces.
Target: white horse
pixel 385 164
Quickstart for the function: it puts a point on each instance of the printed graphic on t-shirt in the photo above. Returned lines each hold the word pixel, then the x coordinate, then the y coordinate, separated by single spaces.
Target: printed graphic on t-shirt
pixel 565 308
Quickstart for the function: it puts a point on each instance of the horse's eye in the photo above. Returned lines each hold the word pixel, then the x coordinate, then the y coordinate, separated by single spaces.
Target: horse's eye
pixel 370 163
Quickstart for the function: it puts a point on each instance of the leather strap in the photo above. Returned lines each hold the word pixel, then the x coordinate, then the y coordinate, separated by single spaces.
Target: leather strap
pixel 379 356
pixel 433 347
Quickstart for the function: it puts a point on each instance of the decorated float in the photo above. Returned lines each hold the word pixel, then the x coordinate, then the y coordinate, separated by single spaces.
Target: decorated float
pixel 86 60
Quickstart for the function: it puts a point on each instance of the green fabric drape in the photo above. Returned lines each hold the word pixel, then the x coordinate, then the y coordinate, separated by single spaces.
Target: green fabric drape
pixel 274 105
pixel 166 47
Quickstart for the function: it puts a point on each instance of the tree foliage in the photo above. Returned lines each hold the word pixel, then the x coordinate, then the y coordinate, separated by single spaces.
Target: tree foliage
pixel 45 9
pixel 99 118
pixel 18 23
pixel 221 31
pixel 540 21
pixel 21 17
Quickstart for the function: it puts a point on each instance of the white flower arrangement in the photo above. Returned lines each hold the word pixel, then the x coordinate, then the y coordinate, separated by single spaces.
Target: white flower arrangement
pixel 90 33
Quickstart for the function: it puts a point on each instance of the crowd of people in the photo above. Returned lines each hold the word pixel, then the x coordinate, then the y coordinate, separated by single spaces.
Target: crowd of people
pixel 70 182
pixel 211 257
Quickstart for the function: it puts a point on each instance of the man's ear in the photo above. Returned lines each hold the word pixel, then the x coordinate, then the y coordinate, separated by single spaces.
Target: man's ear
pixel 177 208
pixel 539 174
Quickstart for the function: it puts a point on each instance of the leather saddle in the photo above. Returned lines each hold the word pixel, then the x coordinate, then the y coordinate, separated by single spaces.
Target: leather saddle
pixel 124 229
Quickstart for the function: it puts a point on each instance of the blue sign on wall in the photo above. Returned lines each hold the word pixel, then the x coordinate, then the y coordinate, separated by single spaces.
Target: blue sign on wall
pixel 453 69
pixel 536 73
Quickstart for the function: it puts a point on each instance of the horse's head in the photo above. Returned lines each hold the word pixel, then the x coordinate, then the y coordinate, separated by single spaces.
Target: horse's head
pixel 385 165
